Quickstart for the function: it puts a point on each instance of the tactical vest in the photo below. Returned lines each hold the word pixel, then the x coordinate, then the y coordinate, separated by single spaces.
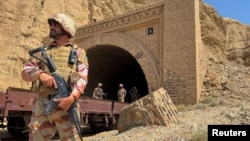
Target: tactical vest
pixel 60 56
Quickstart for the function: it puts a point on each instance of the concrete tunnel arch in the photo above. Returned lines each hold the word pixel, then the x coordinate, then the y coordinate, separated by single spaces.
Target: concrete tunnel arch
pixel 118 58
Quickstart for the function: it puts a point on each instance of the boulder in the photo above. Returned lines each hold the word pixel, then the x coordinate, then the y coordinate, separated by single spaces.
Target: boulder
pixel 156 108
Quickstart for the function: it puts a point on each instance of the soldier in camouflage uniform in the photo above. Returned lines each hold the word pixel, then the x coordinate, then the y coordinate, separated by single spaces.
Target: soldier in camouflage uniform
pixel 121 93
pixel 98 92
pixel 43 127
pixel 134 94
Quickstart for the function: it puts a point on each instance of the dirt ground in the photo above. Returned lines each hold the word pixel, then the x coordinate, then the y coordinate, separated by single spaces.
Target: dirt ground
pixel 192 124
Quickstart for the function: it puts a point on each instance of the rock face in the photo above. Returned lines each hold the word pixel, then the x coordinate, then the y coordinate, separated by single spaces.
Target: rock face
pixel 24 24
pixel 227 43
pixel 156 108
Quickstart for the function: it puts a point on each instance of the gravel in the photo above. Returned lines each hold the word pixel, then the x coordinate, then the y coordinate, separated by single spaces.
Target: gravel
pixel 191 124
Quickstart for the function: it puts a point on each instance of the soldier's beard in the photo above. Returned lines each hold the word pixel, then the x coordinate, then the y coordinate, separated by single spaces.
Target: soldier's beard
pixel 54 35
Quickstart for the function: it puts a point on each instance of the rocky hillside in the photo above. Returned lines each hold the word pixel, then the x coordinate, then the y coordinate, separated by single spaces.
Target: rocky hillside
pixel 227 44
pixel 226 62
pixel 23 25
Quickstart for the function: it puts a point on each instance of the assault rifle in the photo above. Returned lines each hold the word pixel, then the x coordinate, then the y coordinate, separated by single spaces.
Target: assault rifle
pixel 62 89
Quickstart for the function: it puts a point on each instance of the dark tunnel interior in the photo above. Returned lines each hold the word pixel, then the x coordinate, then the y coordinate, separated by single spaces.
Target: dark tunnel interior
pixel 112 66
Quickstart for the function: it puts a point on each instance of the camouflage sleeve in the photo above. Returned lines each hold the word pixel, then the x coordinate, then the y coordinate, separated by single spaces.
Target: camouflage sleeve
pixel 31 70
pixel 82 69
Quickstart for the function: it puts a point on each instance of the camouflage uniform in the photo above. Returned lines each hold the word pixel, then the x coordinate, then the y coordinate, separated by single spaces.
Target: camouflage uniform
pixel 134 94
pixel 43 127
pixel 98 92
pixel 121 93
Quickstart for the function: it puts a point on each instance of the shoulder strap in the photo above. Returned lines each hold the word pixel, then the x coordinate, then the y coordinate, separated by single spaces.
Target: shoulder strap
pixel 72 55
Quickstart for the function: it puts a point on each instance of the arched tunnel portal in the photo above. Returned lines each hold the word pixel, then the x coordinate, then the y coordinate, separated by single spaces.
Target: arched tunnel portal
pixel 111 66
pixel 118 58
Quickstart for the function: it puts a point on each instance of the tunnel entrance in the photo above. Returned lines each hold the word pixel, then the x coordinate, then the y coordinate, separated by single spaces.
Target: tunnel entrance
pixel 112 66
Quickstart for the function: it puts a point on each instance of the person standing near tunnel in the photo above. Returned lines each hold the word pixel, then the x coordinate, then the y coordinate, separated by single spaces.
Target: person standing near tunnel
pixel 98 92
pixel 134 94
pixel 121 93
pixel 75 73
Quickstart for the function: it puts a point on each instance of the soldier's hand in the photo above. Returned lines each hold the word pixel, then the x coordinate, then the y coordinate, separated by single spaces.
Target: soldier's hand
pixel 47 80
pixel 65 103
